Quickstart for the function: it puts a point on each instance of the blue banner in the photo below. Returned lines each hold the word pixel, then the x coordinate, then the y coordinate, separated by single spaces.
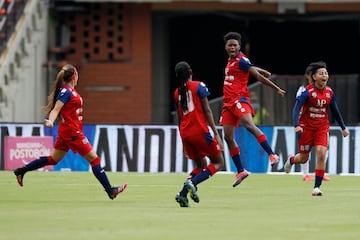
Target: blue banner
pixel 252 155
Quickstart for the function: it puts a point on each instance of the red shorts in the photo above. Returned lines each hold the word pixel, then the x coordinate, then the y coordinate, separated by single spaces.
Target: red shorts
pixel 199 146
pixel 312 137
pixel 78 144
pixel 232 114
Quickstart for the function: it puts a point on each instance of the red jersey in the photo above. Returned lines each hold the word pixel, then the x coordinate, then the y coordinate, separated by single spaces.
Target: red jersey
pixel 71 113
pixel 316 102
pixel 236 80
pixel 193 121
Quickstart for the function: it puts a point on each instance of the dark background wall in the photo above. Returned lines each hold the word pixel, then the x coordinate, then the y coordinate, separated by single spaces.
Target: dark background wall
pixel 155 36
pixel 283 46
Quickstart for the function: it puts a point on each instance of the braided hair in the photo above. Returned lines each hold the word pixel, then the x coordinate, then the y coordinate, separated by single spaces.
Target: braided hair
pixel 183 73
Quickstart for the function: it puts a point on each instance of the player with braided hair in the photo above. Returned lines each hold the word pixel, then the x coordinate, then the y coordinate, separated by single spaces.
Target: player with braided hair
pixel 195 117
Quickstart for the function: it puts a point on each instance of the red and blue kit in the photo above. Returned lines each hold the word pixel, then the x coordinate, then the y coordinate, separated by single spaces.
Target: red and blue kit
pixel 193 127
pixel 70 134
pixel 313 103
pixel 236 93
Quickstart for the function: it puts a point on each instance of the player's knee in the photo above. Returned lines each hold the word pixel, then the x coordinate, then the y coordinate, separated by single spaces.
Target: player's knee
pixel 302 161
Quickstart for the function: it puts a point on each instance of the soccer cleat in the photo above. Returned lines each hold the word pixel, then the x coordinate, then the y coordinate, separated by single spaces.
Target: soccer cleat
pixel 274 159
pixel 316 192
pixel 308 178
pixel 19 173
pixel 287 165
pixel 114 191
pixel 326 178
pixel 183 201
pixel 240 177
pixel 192 190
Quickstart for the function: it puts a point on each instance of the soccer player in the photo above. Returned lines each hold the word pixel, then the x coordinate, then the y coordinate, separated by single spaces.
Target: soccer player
pixel 66 103
pixel 195 117
pixel 237 108
pixel 305 166
pixel 312 126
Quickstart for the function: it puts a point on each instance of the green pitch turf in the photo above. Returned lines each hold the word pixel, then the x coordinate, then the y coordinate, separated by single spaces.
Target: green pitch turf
pixel 72 205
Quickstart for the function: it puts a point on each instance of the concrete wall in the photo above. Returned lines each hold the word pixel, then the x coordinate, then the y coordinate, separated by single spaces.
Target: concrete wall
pixel 22 81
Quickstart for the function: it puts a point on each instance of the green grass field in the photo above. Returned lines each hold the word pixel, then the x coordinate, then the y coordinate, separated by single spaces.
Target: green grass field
pixel 72 205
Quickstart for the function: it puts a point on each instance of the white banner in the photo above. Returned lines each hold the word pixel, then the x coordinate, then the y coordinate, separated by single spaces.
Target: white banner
pixel 343 155
pixel 143 148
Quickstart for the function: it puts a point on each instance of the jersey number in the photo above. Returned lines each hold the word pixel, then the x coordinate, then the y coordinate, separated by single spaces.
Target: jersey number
pixel 190 103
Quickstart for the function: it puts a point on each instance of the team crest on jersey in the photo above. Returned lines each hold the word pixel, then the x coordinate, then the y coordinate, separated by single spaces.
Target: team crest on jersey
pixel 74 93
pixel 313 94
pixel 327 95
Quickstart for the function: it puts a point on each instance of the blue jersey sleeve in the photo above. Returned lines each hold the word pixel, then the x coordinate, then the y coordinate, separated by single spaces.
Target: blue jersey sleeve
pixel 335 111
pixel 202 90
pixel 300 100
pixel 64 95
pixel 245 64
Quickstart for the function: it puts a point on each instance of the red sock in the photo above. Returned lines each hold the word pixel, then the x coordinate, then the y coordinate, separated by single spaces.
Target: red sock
pixel 234 151
pixel 96 162
pixel 260 139
pixel 194 172
pixel 319 173
pixel 212 169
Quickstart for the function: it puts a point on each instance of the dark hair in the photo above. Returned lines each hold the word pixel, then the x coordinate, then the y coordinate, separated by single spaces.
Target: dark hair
pixel 232 35
pixel 314 66
pixel 307 74
pixel 183 72
pixel 64 75
pixel 308 70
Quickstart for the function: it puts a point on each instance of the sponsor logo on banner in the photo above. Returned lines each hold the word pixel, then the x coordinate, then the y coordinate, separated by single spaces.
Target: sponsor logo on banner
pixel 19 151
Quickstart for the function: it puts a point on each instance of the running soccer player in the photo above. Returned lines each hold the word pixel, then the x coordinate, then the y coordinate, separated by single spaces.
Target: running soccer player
pixel 305 166
pixel 237 108
pixel 195 117
pixel 65 102
pixel 312 126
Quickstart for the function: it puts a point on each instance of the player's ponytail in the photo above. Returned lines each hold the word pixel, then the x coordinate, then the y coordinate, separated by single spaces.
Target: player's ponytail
pixel 64 75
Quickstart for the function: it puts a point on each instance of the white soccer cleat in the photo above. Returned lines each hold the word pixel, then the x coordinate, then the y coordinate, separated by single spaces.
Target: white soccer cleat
pixel 316 192
pixel 287 165
pixel 274 159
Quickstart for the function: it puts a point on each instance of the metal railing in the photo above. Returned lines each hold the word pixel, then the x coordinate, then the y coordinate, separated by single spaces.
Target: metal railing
pixel 273 109
pixel 10 12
